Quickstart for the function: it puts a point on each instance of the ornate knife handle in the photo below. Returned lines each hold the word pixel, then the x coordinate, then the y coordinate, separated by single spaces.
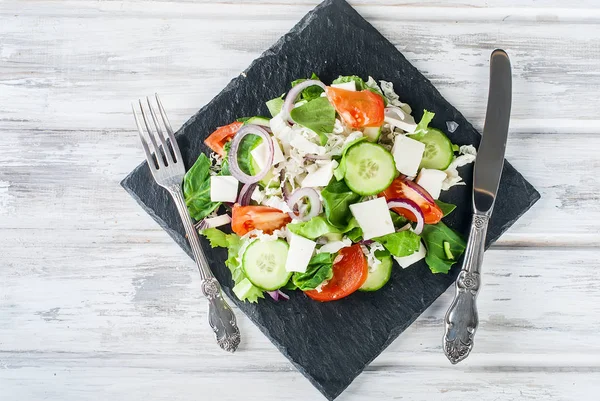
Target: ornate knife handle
pixel 461 319
pixel 220 316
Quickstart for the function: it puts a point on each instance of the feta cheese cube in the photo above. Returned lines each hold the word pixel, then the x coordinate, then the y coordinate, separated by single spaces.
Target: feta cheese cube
pixel 260 154
pixel 223 188
pixel 431 180
pixel 407 154
pixel 321 176
pixel 373 217
pixel 299 254
pixel 409 260
pixel 349 86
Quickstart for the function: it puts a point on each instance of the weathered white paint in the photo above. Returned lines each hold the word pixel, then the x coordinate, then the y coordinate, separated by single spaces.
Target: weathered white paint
pixel 97 302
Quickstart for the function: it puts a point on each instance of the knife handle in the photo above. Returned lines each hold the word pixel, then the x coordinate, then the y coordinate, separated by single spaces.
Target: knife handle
pixel 461 319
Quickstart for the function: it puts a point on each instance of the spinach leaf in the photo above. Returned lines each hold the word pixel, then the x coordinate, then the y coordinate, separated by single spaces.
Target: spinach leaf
pixel 340 171
pixel 319 226
pixel 275 105
pixel 447 208
pixel 434 236
pixel 398 220
pixel 196 189
pixel 319 269
pixel 312 92
pixel 358 81
pixel 355 235
pixel 243 288
pixel 317 115
pixel 400 244
pixel 337 198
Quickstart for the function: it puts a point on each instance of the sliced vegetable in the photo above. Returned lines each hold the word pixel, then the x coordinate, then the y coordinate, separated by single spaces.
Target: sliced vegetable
pixel 264 264
pixel 350 271
pixel 372 133
pixel 311 92
pixel 378 275
pixel 213 222
pixel 439 151
pixel 358 109
pixel 232 156
pixel 294 93
pixel 409 207
pixel 403 188
pixel 278 294
pixel 258 120
pixel 217 140
pixel 369 168
pixel 448 250
pixel 246 194
pixel 314 203
pixel 248 218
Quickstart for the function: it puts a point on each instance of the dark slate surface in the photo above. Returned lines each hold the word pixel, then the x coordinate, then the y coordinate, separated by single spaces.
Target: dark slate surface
pixel 331 343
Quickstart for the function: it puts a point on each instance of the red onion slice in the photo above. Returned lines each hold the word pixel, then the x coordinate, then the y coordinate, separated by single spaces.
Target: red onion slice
pixel 313 199
pixel 234 166
pixel 246 193
pixel 411 207
pixel 293 94
pixel 420 190
pixel 278 294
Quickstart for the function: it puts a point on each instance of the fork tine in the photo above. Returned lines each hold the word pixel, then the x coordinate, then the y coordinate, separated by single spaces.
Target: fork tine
pixel 159 134
pixel 172 139
pixel 149 156
pixel 159 157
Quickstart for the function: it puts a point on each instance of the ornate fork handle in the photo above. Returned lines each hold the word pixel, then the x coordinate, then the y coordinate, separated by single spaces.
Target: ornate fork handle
pixel 461 319
pixel 220 316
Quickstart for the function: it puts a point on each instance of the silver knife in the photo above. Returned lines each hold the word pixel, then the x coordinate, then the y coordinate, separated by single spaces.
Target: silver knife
pixel 461 319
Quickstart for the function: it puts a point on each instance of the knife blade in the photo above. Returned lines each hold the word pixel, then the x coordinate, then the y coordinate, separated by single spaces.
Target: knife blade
pixel 490 155
pixel 461 320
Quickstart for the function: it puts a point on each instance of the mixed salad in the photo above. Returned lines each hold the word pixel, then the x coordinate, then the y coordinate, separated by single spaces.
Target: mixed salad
pixel 322 196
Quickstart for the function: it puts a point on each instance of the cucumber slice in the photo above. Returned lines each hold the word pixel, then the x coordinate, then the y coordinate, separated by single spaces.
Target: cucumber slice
pixel 438 149
pixel 267 179
pixel 379 275
pixel 372 133
pixel 262 121
pixel 370 168
pixel 264 264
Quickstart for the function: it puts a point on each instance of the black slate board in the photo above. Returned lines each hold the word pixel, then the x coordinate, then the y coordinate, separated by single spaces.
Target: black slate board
pixel 331 343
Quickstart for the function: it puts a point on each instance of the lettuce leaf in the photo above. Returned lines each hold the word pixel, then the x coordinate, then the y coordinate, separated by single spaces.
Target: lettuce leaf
pixel 319 269
pixel 319 226
pixel 400 244
pixel 358 81
pixel 312 92
pixel 447 208
pixel 437 257
pixel 275 105
pixel 337 198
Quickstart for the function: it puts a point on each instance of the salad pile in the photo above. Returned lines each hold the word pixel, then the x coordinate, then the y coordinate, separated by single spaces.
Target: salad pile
pixel 325 194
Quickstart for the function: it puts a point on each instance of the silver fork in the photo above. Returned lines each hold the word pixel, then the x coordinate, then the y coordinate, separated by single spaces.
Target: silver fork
pixel 166 165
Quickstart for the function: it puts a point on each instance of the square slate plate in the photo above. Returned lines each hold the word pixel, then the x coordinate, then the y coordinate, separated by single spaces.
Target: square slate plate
pixel 331 343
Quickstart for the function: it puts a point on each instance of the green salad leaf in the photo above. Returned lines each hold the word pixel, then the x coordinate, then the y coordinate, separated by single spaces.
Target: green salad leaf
pixel 319 226
pixel 196 189
pixel 337 198
pixel 317 115
pixel 447 208
pixel 441 241
pixel 358 81
pixel 398 220
pixel 400 244
pixel 312 92
pixel 245 160
pixel 355 235
pixel 275 105
pixel 424 123
pixel 319 269
pixel 243 288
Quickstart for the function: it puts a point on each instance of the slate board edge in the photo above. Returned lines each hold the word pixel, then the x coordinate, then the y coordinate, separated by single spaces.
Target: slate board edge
pixel 182 242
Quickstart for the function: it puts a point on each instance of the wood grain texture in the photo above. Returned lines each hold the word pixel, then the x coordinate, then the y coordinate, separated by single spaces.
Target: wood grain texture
pixel 97 302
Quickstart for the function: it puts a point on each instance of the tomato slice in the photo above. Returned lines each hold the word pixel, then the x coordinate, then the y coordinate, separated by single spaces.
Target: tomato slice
pixel 402 187
pixel 247 218
pixel 349 273
pixel 358 109
pixel 217 140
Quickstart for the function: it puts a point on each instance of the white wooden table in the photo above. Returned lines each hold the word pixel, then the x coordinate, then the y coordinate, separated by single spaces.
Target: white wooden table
pixel 97 302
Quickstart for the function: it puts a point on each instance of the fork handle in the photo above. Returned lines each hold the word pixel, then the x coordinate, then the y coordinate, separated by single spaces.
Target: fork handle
pixel 220 316
pixel 462 319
